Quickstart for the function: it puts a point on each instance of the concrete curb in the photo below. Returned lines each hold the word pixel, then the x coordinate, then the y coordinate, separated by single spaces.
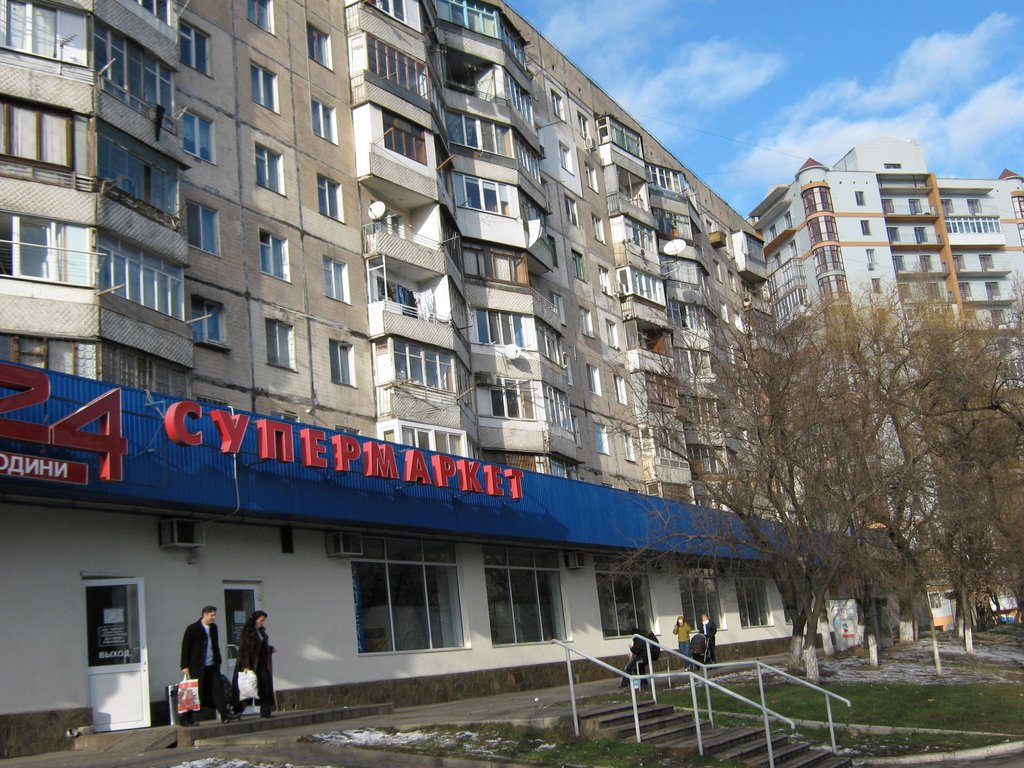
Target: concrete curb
pixel 966 755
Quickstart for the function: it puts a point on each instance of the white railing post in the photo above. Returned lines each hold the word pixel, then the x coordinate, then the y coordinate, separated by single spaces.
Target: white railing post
pixel 696 717
pixel 572 692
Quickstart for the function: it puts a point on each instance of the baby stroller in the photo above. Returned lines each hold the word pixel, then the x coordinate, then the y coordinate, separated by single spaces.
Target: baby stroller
pixel 699 648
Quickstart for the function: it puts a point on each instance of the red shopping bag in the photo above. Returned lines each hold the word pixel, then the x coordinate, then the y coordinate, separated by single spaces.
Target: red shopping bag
pixel 188 696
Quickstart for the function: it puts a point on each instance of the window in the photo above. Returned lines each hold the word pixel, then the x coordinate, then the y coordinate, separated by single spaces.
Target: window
pixel 201 223
pixel 46 31
pixel 947 206
pixel 576 431
pixel 131 73
pixel 565 157
pixel 279 343
pixel 571 211
pixel 398 68
pixel 141 277
pixel 328 195
pixel 512 399
pixel 620 389
pixel 663 178
pixel 624 598
pixel 323 121
pixel 628 448
pixel 518 96
pixel 557 105
pixel 261 13
pixel 974 207
pixel 893 233
pixel 992 291
pixel 625 138
pixel 858 197
pixel 892 166
pixel 137 170
pixel 318 45
pixel 583 124
pixel 495 263
pixel 556 407
pixel 394 8
pixel 598 225
pixel 579 266
pixel 273 255
pixel 559 305
pixel 470 131
pixel 586 322
pixel 197 136
pixel 341 362
pixel 484 195
pixel 611 332
pixel 32 134
pixel 816 199
pixel 524 597
pixel 698 594
pixel 46 250
pixel 752 597
pixel 925 262
pixel 985 262
pixel 193 48
pixel 526 157
pixel 269 169
pixel 870 254
pixel 592 177
pixel 207 321
pixel 403 137
pixel 158 8
pixel 920 235
pixel 264 87
pixel 593 380
pixel 494 327
pixel 425 366
pixel 876 285
pixel 789 220
pixel 601 440
pixel 335 280
pixel 603 281
pixel 822 228
pixel 643 284
pixel 407 595
pixel 640 235
pixel 865 227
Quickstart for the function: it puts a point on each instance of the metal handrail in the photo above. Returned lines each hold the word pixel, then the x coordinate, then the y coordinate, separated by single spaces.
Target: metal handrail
pixel 689 675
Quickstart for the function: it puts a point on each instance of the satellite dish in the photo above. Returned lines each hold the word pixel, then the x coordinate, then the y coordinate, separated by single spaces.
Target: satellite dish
pixel 511 351
pixel 674 247
pixel 532 231
pixel 377 210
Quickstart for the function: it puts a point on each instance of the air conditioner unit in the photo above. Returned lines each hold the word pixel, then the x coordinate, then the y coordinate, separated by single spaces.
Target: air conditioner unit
pixel 485 379
pixel 181 533
pixel 342 544
pixel 575 560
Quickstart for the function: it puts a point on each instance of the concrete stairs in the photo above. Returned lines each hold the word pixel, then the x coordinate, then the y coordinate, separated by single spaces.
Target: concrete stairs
pixel 662 725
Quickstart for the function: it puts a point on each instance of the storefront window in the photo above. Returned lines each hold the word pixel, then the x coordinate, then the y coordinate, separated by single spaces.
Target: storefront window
pixel 625 599
pixel 406 596
pixel 524 596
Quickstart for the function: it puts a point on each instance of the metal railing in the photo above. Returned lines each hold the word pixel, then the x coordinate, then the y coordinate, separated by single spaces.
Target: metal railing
pixel 700 678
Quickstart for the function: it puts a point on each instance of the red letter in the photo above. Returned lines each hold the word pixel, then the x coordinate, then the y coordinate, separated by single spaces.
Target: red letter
pixel 314 449
pixel 231 427
pixel 174 423
pixel 380 460
pixel 415 468
pixel 493 479
pixel 515 482
pixel 346 450
pixel 275 440
pixel 467 476
pixel 444 469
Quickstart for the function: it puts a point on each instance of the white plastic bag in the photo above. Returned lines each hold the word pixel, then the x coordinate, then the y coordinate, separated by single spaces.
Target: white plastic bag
pixel 247 686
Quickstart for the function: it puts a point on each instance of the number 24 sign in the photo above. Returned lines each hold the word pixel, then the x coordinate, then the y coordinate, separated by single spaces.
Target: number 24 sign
pixel 32 387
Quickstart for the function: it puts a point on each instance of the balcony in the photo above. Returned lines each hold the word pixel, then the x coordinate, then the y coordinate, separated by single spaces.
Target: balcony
pixel 975 230
pixel 915 240
pixel 908 210
pixel 389 318
pixel 649 362
pixel 634 207
pixel 398 243
pixel 383 174
pixel 635 308
pixel 48 264
pixel 629 254
pixel 370 87
pixel 425 405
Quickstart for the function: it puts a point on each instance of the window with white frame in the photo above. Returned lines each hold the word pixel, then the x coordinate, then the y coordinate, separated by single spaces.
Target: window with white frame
pixel 592 177
pixel 611 332
pixel 193 48
pixel 395 8
pixel 549 343
pixel 565 157
pixel 527 158
pixel 279 344
pixel 207 321
pixel 485 195
pixel 264 86
pixel 406 591
pixel 471 131
pixel 604 281
pixel 496 327
pixel 556 406
pixel 201 223
pixel 512 399
pixel 318 46
pixel 426 366
pixel 628 448
pixel 639 234
pixel 752 600
pixel 583 124
pixel 274 255
pixel 45 30
pixel 323 118
pixel 601 444
pixel 579 265
pixel 519 98
pixel 643 284
pixel 557 105
pixel 261 13
pixel 598 226
pixel 559 304
pixel 586 322
pixel 625 138
pixel 524 596
pixel 141 277
pixel 572 213
pixel 576 431
pixel 593 379
pixel 336 280
pixel 664 178
pixel 269 169
pixel 197 136
pixel 46 250
pixel 328 195
pixel 624 598
pixel 131 73
pixel 620 389
pixel 341 362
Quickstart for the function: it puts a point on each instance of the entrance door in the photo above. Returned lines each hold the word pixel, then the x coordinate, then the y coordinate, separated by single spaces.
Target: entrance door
pixel 240 600
pixel 118 666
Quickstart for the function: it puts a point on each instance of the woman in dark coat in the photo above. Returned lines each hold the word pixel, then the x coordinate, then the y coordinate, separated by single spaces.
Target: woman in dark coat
pixel 254 652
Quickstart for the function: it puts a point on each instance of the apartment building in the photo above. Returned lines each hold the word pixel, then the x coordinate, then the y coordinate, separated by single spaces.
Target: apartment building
pixel 879 221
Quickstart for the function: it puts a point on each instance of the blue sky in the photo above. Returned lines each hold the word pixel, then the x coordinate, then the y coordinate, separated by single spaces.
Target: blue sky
pixel 744 92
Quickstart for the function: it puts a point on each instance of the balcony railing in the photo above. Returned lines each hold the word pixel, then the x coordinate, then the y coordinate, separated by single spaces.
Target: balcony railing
pixel 51 264
pixel 907 209
pixel 14 169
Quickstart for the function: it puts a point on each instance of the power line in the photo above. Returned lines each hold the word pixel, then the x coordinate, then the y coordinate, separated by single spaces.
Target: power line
pixel 720 136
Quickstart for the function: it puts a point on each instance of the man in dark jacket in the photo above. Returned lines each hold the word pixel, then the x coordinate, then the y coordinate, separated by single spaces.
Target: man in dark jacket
pixel 709 630
pixel 200 659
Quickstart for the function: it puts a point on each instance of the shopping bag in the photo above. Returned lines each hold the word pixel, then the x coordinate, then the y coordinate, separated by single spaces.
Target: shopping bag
pixel 247 685
pixel 188 696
